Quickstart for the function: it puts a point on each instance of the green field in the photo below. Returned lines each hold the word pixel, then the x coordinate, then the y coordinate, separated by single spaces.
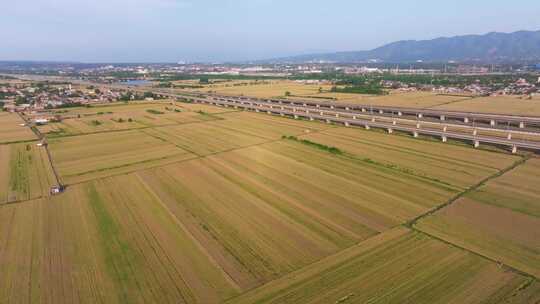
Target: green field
pixel 208 205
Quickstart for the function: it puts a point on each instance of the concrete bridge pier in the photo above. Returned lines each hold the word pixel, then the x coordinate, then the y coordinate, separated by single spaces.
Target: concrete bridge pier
pixel 337 115
pixel 295 116
pixel 318 106
pixel 381 112
pixel 305 104
pixel 354 117
pixel 346 124
pixel 282 115
pixel 294 109
pixel 372 119
pixel 328 121
pixel 418 125
pixel 282 108
pixel 475 132
pixel 394 122
pixel 509 136
pixel 363 110
pixel 445 128
pixel 321 113
pixel 399 113
pixel 420 115
pixel 444 138
pixel 466 119
pixel 311 118
pixel 257 110
pixel 522 125
pixel 347 109
pixel 443 118
pixel 514 149
pixel 367 127
pixel 493 123
pixel 476 144
pixel 331 107
pixel 390 131
pixel 415 134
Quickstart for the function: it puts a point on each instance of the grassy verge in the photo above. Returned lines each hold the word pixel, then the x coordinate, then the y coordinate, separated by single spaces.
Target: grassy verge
pixel 326 148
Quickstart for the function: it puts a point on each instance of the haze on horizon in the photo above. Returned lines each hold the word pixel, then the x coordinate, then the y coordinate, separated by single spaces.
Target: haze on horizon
pixel 233 30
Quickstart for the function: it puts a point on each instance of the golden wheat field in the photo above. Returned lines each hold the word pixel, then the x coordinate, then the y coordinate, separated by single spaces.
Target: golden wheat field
pixel 11 129
pixel 213 205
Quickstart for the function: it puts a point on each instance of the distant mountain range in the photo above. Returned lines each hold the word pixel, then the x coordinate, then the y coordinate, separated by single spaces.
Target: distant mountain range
pixel 489 48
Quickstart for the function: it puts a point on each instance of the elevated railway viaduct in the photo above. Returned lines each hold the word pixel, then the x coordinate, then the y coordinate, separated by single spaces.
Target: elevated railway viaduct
pixel 350 119
pixel 417 122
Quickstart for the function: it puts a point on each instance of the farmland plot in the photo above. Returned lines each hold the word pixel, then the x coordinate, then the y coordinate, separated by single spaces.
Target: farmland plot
pixel 87 157
pixel 11 129
pixel 123 117
pixel 271 209
pixel 460 167
pixel 26 172
pixel 398 266
pixel 95 244
pixel 203 139
pixel 267 126
pixel 197 107
pixel 515 105
pixel 499 220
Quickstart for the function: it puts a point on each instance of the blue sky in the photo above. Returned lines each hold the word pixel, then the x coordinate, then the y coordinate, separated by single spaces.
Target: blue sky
pixel 219 30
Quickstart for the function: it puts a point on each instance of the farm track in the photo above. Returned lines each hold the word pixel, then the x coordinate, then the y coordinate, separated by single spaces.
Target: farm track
pixel 411 224
pixel 197 156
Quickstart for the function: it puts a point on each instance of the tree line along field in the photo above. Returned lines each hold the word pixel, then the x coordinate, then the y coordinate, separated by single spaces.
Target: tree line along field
pixel 253 208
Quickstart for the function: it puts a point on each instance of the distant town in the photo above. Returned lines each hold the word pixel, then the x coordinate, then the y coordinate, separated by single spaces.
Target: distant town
pixel 376 79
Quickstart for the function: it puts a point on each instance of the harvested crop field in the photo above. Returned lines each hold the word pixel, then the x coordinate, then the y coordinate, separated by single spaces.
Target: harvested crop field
pixel 12 131
pixel 497 104
pixel 499 220
pixel 26 172
pixel 96 244
pixel 79 121
pixel 266 89
pixel 81 158
pixel 395 267
pixel 458 167
pixel 213 205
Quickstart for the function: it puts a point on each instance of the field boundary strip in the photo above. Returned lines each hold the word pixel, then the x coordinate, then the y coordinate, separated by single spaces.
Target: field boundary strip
pixel 411 224
pixel 470 189
pixel 181 161
pixel 450 102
